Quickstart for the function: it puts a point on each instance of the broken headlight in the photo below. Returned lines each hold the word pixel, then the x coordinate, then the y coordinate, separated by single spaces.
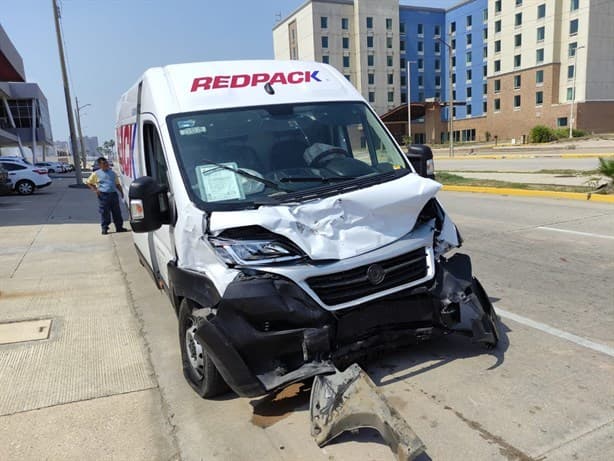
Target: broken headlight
pixel 254 252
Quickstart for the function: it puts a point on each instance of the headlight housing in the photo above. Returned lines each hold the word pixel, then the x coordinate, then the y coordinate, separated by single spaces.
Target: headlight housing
pixel 254 252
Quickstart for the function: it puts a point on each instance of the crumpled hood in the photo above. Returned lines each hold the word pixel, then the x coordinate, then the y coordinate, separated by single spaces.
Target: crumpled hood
pixel 344 225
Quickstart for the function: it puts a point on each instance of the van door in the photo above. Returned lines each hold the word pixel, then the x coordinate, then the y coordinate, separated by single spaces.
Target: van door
pixel 160 242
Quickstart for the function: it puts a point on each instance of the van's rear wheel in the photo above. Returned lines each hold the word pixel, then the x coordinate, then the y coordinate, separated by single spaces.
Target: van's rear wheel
pixel 198 368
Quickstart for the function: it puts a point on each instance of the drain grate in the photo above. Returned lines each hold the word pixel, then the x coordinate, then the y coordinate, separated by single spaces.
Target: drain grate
pixel 28 330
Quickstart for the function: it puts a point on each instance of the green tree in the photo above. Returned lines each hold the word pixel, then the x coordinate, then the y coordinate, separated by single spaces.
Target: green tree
pixel 107 149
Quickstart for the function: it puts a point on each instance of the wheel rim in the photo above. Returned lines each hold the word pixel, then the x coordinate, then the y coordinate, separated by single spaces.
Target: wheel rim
pixel 194 350
pixel 25 188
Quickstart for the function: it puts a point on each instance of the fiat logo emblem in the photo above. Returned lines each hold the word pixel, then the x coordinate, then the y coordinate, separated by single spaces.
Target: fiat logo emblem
pixel 376 274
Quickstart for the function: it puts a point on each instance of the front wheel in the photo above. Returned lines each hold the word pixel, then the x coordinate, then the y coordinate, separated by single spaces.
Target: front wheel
pixel 198 368
pixel 25 187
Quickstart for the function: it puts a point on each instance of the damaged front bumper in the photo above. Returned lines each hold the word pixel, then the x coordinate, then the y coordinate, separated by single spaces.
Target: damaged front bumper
pixel 267 332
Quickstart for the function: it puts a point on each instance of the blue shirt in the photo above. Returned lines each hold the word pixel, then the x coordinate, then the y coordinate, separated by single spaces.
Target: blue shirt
pixel 105 181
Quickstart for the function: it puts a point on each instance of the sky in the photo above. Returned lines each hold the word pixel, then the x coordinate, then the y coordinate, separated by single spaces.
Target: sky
pixel 110 43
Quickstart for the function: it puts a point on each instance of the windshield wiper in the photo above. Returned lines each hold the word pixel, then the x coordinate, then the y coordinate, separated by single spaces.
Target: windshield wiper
pixel 317 179
pixel 271 184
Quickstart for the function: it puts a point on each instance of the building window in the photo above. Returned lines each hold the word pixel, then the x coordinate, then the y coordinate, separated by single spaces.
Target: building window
pixel 453 78
pixel 391 96
pixel 517 81
pixel 437 31
pixel 497 26
pixel 570 72
pixel 420 64
pixel 453 111
pixel 371 79
pixel 389 42
pixel 420 29
pixel 437 80
pixel 345 23
pixel 572 49
pixel 485 34
pixel 541 33
pixel 497 6
pixel 403 63
pixel 518 20
pixel 348 78
pixel 453 61
pixel 437 47
pixel 402 45
pixel 541 11
pixel 561 122
pixel 497 105
pixel 323 22
pixel 517 101
pixel 371 96
pixel 370 41
pixel 346 61
pixel 369 22
pixel 468 109
pixel 497 46
pixel 453 44
pixel 469 39
pixel 517 61
pixel 569 94
pixel 518 40
pixel 420 96
pixel 484 106
pixel 453 27
pixel 389 61
pixel 370 60
pixel 485 15
pixel 420 46
pixel 346 42
pixel 484 70
pixel 469 75
pixel 485 52
pixel 469 21
pixel 498 65
pixel 388 24
pixel 484 89
pixel 539 77
pixel 437 94
pixel 539 56
pixel 539 98
pixel 420 80
pixel 497 86
pixel 390 79
pixel 403 80
pixel 403 98
pixel 437 64
pixel 324 42
pixel 575 4
pixel 469 91
pixel 573 27
pixel 518 2
pixel 325 59
pixel 468 57
pixel 402 27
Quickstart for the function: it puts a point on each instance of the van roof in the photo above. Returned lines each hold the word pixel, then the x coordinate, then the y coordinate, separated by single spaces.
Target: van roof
pixel 226 84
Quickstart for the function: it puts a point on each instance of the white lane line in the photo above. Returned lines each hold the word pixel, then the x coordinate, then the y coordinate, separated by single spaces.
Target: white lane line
pixel 585 234
pixel 556 332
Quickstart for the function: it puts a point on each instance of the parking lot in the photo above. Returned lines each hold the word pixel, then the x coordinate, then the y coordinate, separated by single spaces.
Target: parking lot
pixel 545 393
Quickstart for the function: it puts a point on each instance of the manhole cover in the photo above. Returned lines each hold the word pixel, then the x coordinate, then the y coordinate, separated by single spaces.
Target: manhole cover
pixel 29 330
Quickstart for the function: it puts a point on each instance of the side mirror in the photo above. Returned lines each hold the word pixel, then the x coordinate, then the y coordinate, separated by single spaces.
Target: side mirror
pixel 421 158
pixel 149 208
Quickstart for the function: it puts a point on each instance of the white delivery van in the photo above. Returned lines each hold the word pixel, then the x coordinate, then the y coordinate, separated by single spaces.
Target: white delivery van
pixel 287 226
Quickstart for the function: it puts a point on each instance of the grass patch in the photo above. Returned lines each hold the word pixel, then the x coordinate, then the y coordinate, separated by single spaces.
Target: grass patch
pixel 562 172
pixel 456 180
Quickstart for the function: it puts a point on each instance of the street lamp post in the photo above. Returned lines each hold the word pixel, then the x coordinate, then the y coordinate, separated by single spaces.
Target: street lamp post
pixel 82 142
pixel 450 99
pixel 409 136
pixel 573 96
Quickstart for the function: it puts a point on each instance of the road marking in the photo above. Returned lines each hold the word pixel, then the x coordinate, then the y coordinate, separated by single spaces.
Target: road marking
pixel 586 234
pixel 556 332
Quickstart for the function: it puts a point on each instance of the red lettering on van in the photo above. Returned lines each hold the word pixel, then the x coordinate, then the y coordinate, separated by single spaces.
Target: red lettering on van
pixel 240 81
pixel 260 78
pixel 202 82
pixel 296 77
pixel 278 77
pixel 221 81
pixel 244 80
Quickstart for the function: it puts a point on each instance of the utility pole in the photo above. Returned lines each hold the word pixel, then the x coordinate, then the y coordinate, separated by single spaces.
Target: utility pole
pixel 69 113
pixel 409 136
pixel 450 99
pixel 573 96
pixel 78 114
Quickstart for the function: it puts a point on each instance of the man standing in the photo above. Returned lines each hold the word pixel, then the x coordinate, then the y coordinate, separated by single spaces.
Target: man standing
pixel 106 184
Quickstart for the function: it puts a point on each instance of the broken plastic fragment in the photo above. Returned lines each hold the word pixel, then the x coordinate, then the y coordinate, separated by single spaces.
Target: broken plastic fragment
pixel 350 400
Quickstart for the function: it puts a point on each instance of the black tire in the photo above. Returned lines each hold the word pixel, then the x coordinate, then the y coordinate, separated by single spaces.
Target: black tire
pixel 51 170
pixel 25 187
pixel 198 368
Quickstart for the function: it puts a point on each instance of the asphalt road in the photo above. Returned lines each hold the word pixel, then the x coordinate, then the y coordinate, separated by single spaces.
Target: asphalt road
pixel 545 393
pixel 516 164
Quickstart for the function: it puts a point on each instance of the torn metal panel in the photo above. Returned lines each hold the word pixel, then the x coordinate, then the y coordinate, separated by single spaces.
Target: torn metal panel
pixel 350 400
pixel 345 225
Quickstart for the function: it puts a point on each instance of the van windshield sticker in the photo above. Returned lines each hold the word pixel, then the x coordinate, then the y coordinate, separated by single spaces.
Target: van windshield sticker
pixel 245 80
pixel 217 184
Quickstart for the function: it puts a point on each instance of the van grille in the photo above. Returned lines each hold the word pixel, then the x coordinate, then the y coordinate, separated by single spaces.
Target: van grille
pixel 341 287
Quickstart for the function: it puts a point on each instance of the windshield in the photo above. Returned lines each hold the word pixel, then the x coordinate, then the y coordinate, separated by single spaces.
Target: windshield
pixel 257 155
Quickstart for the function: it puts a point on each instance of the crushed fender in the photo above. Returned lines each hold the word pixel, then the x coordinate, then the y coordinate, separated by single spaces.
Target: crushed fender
pixel 350 400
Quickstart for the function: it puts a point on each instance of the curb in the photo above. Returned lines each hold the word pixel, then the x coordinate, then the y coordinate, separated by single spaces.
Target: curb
pixel 531 193
pixel 520 156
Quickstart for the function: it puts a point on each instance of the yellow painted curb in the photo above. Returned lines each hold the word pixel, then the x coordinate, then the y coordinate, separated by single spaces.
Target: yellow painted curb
pixel 518 156
pixel 531 193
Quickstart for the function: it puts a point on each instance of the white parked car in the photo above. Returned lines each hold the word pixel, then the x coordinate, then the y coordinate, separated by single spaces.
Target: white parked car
pixel 25 177
pixel 52 167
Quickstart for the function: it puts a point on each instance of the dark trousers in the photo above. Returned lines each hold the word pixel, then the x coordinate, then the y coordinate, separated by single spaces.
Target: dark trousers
pixel 108 204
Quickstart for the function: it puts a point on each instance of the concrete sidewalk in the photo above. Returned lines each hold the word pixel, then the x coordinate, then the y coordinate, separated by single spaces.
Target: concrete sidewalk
pixel 89 388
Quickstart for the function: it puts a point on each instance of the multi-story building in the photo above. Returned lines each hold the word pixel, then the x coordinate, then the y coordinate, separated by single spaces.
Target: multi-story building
pixel 513 63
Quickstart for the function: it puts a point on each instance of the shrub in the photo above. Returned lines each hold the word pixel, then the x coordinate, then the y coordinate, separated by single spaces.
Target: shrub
pixel 606 167
pixel 541 133
pixel 562 133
